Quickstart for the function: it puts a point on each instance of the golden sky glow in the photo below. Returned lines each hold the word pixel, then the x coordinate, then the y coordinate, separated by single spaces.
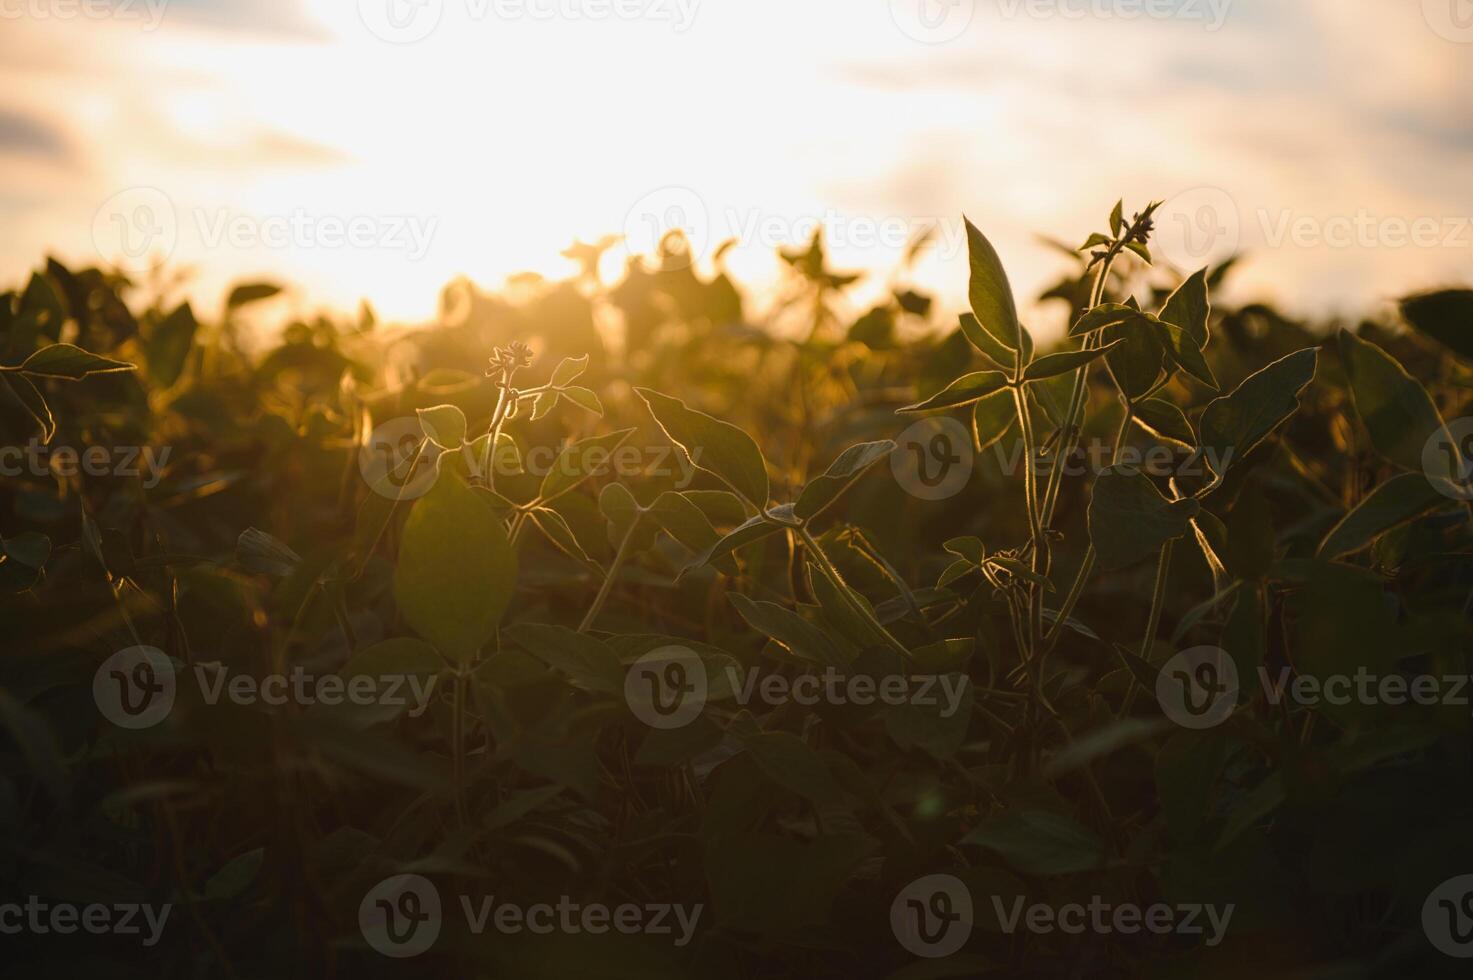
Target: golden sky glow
pixel 291 140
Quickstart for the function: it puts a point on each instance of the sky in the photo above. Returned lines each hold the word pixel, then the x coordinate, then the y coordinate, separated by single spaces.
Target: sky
pixel 378 148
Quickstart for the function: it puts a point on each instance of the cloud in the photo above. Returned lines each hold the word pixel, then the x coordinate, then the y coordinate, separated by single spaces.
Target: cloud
pixel 277 19
pixel 29 136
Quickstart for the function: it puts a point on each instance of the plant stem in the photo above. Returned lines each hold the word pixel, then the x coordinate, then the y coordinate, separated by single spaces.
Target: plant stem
pixel 832 574
pixel 620 557
pixel 457 747
pixel 1158 599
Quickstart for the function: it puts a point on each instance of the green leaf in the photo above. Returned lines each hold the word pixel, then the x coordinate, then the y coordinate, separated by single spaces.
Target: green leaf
pixel 1137 363
pixel 1445 316
pixel 456 571
pixel 988 345
pixel 624 513
pixel 717 447
pixel 1051 365
pixel 444 424
pixel 1189 309
pixel 168 345
pixel 1232 426
pixel 788 628
pixel 30 732
pixel 579 461
pixel 852 464
pixel 400 658
pixel 1397 411
pixel 1039 842
pixel 568 371
pixel 1102 316
pixel 589 663
pixel 1165 421
pixel 1117 218
pixel 754 530
pixel 848 612
pixel 680 518
pixel 966 390
pixel 992 418
pixel 1130 520
pixel 260 552
pixel 585 399
pixel 1182 348
pixel 555 528
pixel 252 292
pixel 544 403
pixel 1400 499
pixel 794 765
pixel 69 362
pixel 990 294
pixel 33 402
pixel 236 875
